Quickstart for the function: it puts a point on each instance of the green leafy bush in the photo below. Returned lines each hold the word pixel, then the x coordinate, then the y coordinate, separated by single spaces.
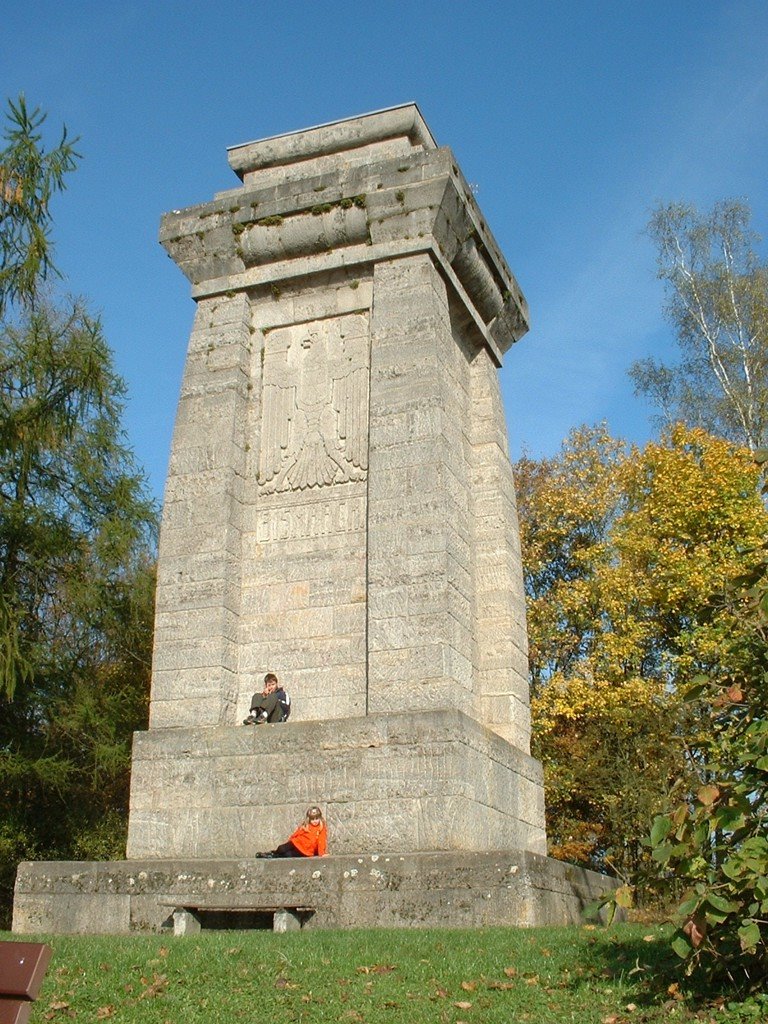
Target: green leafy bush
pixel 716 838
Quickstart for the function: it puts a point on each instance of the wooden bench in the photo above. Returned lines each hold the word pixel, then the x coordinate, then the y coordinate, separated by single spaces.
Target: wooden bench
pixel 187 914
pixel 22 968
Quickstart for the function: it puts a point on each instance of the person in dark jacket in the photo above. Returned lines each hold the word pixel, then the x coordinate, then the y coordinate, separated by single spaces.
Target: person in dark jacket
pixel 271 705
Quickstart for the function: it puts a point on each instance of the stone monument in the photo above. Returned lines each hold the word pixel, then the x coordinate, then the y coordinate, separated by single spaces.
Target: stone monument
pixel 340 510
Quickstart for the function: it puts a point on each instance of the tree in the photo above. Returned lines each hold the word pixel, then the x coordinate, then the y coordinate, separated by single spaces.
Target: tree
pixel 566 506
pixel 717 302
pixel 29 177
pixel 714 835
pixel 623 552
pixel 77 531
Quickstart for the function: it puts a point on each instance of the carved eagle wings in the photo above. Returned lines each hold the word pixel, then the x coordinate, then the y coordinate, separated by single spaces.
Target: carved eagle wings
pixel 314 408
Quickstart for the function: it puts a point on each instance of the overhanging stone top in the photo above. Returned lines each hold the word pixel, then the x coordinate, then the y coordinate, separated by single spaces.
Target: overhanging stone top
pixel 348 194
pixel 382 133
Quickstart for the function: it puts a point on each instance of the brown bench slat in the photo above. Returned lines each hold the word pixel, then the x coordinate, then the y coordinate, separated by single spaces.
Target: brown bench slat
pixel 15 1011
pixel 22 967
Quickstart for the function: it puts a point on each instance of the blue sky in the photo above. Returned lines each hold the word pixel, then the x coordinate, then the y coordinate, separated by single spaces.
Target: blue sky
pixel 572 119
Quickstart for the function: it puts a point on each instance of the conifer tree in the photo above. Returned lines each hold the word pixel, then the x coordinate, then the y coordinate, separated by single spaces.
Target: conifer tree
pixel 76 543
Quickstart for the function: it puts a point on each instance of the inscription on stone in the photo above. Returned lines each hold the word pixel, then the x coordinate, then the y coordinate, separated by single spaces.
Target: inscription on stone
pixel 314 426
pixel 322 519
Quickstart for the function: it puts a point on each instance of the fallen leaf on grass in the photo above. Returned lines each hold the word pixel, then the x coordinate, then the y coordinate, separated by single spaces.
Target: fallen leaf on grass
pixel 532 980
pixel 503 986
pixel 58 1005
pixel 376 969
pixel 281 982
pixel 511 972
pixel 104 1011
pixel 649 938
pixel 463 1005
pixel 631 1007
pixel 163 951
pixel 611 1020
pixel 441 993
pixel 154 988
pixel 469 986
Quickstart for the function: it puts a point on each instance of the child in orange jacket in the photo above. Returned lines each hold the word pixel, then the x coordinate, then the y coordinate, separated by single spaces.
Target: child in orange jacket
pixel 309 840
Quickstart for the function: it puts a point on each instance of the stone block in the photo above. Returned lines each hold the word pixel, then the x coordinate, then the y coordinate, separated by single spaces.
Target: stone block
pixel 454 889
pixel 427 768
pixel 185 923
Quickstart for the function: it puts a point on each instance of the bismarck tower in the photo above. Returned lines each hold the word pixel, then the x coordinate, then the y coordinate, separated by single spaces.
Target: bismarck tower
pixel 339 509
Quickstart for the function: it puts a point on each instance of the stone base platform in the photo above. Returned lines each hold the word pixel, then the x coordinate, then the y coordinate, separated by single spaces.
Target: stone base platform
pixel 456 889
pixel 402 782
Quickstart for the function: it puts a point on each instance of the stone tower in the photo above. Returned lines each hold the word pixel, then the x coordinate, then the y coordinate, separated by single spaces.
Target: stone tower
pixel 340 503
pixel 340 506
pixel 340 510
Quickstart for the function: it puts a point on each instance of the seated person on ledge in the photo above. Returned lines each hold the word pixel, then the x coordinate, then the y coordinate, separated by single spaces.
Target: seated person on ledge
pixel 309 840
pixel 271 705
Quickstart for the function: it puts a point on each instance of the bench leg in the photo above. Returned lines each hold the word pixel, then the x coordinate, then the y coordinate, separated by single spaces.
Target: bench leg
pixel 286 920
pixel 185 923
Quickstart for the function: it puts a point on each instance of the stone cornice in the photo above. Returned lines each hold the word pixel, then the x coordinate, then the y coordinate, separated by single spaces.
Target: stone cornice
pixel 351 215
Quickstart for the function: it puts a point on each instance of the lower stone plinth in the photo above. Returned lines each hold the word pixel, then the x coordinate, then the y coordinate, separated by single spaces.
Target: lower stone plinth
pixel 452 890
pixel 406 782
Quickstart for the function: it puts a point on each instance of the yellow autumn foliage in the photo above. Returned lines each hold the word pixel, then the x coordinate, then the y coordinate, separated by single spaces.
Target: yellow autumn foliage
pixel 627 555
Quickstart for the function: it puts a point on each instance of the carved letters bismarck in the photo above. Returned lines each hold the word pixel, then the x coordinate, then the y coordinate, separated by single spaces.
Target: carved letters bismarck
pixel 314 421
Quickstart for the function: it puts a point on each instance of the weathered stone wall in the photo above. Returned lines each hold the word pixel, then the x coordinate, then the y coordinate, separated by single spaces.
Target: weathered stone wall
pixel 195 676
pixel 340 507
pixel 375 890
pixel 397 782
pixel 420 568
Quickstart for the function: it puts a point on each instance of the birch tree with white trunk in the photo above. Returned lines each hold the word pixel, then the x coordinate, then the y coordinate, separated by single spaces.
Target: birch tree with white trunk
pixel 717 302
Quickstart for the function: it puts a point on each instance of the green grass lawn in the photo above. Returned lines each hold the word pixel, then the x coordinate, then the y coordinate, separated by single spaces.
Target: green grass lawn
pixel 625 973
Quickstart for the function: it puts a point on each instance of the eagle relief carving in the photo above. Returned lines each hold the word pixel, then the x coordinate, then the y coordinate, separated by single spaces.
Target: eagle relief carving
pixel 314 405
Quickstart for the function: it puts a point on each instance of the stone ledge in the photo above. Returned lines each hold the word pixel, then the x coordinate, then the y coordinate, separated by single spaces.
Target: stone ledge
pixel 332 138
pixel 428 889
